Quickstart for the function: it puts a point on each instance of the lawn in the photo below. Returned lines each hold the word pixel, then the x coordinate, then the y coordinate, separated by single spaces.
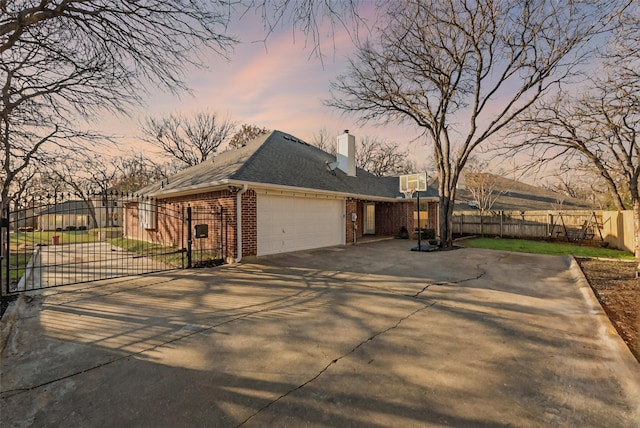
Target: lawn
pixel 170 255
pixel 22 240
pixel 22 245
pixel 543 247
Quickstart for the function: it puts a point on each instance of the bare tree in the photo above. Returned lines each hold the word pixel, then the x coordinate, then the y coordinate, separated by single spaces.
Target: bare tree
pixel 88 177
pixel 61 59
pixel 587 186
pixel 324 141
pixel 483 186
pixel 136 171
pixel 245 134
pixel 462 72
pixel 600 128
pixel 66 58
pixel 381 158
pixel 309 16
pixel 189 140
pixel 373 154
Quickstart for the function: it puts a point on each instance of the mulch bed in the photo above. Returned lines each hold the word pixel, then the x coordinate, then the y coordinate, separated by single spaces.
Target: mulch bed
pixel 618 290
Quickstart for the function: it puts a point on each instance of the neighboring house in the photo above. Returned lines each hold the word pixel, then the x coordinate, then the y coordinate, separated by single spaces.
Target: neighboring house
pixel 64 216
pixel 108 209
pixel 70 215
pixel 23 220
pixel 517 196
pixel 280 194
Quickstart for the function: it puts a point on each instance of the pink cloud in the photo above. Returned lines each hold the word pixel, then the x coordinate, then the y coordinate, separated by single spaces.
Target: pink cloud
pixel 278 85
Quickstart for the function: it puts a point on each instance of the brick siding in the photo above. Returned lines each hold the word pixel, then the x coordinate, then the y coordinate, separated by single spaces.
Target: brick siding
pixel 390 217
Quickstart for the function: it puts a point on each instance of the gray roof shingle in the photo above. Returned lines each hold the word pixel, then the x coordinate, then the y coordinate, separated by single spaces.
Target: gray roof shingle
pixel 517 196
pixel 276 158
pixel 67 207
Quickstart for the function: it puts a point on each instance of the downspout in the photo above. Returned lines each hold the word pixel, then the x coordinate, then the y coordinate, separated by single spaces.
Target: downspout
pixel 239 222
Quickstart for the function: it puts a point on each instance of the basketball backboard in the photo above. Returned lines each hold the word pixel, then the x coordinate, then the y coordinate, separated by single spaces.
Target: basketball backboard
pixel 413 182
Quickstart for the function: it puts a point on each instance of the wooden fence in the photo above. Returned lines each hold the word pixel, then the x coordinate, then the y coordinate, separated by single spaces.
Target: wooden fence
pixel 617 229
pixel 584 226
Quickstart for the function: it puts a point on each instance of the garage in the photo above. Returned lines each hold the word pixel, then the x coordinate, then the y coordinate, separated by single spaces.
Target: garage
pixel 288 223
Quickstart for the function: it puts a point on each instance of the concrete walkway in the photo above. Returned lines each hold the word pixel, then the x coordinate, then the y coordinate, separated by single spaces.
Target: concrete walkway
pixel 370 335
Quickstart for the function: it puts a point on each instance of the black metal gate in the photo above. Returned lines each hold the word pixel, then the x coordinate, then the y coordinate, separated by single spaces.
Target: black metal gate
pixel 206 236
pixel 67 241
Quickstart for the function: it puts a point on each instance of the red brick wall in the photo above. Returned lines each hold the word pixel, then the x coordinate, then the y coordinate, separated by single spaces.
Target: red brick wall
pixel 352 206
pixel 391 216
pixel 168 224
pixel 432 220
pixel 249 223
pixel 170 229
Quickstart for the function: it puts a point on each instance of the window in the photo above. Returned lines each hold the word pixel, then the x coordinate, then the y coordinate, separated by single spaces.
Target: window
pixel 147 214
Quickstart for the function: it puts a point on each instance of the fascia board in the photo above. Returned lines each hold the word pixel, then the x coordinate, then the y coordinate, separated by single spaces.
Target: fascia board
pixel 224 184
pixel 297 190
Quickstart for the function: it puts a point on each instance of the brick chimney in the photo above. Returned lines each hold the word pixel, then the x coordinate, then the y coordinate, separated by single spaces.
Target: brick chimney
pixel 346 153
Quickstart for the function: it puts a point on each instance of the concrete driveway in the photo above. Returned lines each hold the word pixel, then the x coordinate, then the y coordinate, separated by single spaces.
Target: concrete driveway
pixel 54 265
pixel 370 335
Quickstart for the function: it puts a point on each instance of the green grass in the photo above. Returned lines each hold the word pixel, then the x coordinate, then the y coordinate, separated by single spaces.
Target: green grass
pixel 543 247
pixel 165 254
pixel 16 268
pixel 28 239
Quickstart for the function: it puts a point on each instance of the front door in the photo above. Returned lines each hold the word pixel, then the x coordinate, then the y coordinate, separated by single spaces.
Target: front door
pixel 369 219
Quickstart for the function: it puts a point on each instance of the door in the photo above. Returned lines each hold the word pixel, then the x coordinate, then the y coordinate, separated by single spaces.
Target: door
pixel 369 219
pixel 290 224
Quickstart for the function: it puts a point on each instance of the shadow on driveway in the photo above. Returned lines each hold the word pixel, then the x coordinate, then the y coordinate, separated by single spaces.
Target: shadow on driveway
pixel 369 335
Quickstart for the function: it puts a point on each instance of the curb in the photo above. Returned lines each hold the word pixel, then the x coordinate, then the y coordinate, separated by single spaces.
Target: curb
pixel 610 336
pixel 8 321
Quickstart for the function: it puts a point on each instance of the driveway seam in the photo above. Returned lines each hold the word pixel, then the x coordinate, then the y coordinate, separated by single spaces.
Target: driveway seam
pixel 333 362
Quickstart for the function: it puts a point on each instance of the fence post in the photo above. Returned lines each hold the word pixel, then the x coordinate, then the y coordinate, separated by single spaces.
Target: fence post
pixel 189 237
pixel 4 280
pixel 222 255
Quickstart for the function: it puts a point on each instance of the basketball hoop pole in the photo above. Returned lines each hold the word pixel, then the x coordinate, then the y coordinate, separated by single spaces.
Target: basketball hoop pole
pixel 409 194
pixel 419 229
pixel 409 184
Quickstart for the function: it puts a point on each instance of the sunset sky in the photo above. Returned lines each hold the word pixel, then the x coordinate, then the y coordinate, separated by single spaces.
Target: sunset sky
pixel 280 84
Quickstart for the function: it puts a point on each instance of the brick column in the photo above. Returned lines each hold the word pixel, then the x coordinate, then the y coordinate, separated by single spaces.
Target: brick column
pixel 351 206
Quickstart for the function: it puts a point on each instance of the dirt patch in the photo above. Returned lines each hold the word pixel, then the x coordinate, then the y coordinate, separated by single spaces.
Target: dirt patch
pixel 618 291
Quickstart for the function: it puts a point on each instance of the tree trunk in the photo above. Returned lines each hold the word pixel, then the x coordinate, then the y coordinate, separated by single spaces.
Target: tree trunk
pixel 445 222
pixel 636 233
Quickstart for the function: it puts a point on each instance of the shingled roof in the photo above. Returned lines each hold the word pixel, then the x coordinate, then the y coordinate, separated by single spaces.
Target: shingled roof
pixel 517 196
pixel 67 207
pixel 275 159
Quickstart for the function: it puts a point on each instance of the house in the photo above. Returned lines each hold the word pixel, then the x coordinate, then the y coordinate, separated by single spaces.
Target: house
pixel 280 195
pixel 65 216
pixel 78 214
pixel 513 195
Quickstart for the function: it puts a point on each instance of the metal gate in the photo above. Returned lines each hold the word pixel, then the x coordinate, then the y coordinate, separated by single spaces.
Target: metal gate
pixel 67 241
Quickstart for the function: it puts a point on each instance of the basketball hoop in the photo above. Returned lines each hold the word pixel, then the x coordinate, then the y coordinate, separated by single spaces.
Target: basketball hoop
pixel 408 194
pixel 411 183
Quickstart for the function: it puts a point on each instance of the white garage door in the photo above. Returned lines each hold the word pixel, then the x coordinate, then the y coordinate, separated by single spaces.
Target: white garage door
pixel 292 224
